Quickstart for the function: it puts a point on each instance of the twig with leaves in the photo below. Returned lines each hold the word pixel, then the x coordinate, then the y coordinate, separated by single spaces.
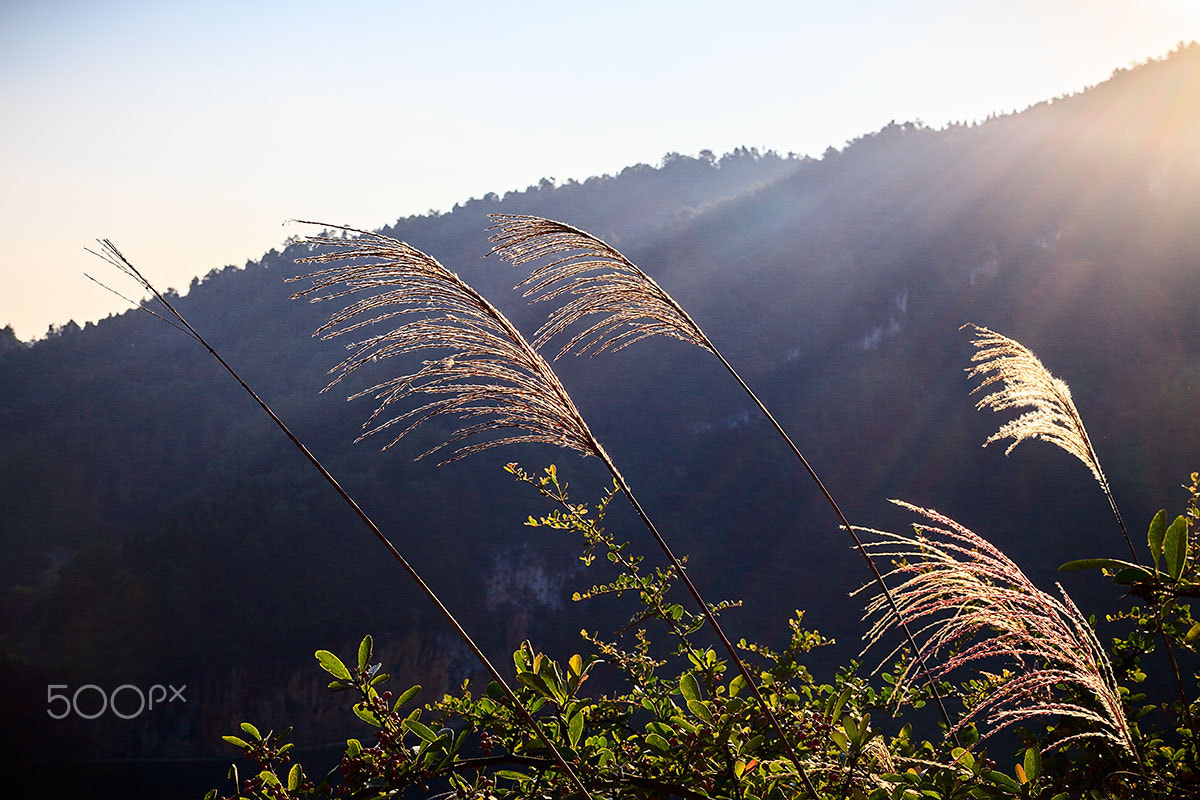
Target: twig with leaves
pixel 491 377
pixel 617 304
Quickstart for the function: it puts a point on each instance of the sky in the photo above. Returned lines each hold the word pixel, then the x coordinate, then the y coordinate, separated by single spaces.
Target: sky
pixel 190 133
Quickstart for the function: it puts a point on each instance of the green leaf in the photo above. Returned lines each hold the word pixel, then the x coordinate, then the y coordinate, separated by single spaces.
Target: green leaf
pixel 661 728
pixel 1096 563
pixel 1002 780
pixel 575 729
pixel 1033 763
pixel 851 728
pixel 682 722
pixel 366 715
pixel 1131 575
pixel 1193 633
pixel 688 687
pixel 658 743
pixel 253 731
pixel 353 747
pixel 964 757
pixel 523 656
pixel 332 664
pixel 235 741
pixel 1154 537
pixel 512 775
pixel 576 664
pixel 1175 547
pixel 535 682
pixel 407 695
pixel 364 652
pixel 736 685
pixel 295 775
pixel 458 743
pixel 836 710
pixel 701 710
pixel 421 729
pixel 268 778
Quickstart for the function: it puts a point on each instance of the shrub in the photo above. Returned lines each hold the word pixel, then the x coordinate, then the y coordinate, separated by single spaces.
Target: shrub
pixel 680 724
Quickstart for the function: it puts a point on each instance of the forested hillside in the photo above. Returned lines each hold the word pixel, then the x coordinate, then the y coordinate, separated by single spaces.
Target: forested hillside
pixel 157 528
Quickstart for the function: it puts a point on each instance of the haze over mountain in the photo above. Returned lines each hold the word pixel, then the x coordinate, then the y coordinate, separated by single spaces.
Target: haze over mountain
pixel 157 528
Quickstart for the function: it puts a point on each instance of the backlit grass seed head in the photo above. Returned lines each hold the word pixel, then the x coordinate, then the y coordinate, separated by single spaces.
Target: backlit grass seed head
pixel 968 602
pixel 488 376
pixel 1025 383
pixel 620 303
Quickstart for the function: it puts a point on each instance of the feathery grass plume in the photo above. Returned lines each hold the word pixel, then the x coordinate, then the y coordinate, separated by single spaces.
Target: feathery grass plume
pixel 630 305
pixel 1026 383
pixel 601 281
pixel 172 317
pixel 972 603
pixel 492 372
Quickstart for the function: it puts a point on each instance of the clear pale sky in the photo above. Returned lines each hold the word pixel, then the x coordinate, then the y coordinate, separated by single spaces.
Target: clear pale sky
pixel 189 132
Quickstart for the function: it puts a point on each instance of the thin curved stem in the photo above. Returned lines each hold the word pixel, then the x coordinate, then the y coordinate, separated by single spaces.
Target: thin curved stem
pixel 1112 501
pixel 850 530
pixel 366 520
pixel 1052 416
pixel 1158 623
pixel 631 306
pixel 708 615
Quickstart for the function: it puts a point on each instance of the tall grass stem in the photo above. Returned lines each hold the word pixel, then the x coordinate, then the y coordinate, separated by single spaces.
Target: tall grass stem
pixel 493 375
pixel 114 256
pixel 602 283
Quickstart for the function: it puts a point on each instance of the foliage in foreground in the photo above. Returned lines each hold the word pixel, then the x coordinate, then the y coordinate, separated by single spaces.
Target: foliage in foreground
pixel 677 724
pixel 674 726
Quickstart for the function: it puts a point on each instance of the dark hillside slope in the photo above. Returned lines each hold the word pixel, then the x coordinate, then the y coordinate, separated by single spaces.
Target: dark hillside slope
pixel 159 529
